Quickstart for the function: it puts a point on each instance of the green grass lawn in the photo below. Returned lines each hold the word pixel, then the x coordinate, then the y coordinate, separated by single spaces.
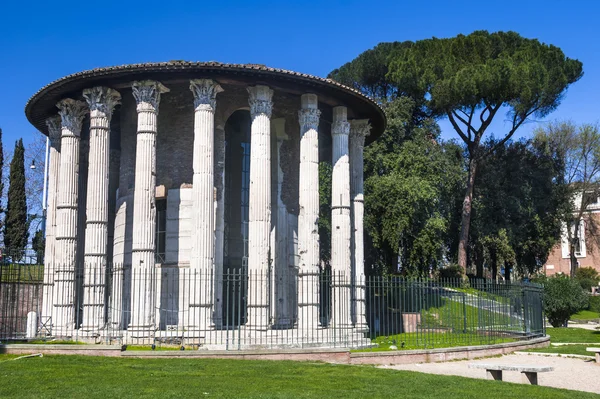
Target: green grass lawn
pixel 570 335
pixel 565 350
pixel 433 340
pixel 573 335
pixel 15 273
pixel 98 377
pixel 456 315
pixel 586 315
pixel 450 323
pixel 149 348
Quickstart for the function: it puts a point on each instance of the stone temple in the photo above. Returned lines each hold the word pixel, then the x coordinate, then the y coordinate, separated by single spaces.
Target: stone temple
pixel 167 179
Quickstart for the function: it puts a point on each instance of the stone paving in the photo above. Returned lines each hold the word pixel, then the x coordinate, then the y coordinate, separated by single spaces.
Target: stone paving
pixel 569 373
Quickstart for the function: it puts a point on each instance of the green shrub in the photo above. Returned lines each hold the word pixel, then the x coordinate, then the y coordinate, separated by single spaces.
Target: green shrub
pixel 452 271
pixel 594 304
pixel 563 297
pixel 588 277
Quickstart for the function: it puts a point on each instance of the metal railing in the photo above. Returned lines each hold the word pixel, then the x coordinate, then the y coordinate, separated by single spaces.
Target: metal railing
pixel 171 306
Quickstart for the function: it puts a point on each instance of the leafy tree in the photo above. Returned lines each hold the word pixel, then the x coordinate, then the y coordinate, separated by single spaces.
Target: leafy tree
pixel 469 79
pixel 324 223
pixel 411 180
pixel 411 176
pixel 369 72
pixel 38 243
pixel 16 224
pixel 563 297
pixel 498 251
pixel 588 277
pixel 516 208
pixel 578 149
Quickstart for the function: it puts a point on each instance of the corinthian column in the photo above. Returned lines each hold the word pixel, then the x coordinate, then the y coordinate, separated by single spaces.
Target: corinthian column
pixel 308 229
pixel 203 217
pixel 359 129
pixel 54 132
pixel 259 213
pixel 147 96
pixel 340 220
pixel 63 316
pixel 219 224
pixel 101 101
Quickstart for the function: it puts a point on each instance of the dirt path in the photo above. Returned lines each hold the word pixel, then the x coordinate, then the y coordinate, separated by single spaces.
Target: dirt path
pixel 576 374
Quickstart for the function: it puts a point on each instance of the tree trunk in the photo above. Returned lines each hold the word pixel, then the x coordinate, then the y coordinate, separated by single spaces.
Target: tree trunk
pixel 466 215
pixel 507 266
pixel 479 259
pixel 572 256
pixel 494 264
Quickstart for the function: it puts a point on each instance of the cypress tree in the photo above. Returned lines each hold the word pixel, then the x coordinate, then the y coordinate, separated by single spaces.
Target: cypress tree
pixel 15 224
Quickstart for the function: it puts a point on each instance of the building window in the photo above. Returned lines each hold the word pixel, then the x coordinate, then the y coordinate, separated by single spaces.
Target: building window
pixel 590 199
pixel 579 241
pixel 161 230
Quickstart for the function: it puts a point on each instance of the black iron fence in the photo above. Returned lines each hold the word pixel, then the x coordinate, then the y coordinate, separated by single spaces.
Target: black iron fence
pixel 170 306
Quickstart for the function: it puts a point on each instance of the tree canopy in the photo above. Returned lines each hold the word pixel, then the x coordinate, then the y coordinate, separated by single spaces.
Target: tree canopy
pixel 516 208
pixel 470 78
pixel 15 224
pixel 411 181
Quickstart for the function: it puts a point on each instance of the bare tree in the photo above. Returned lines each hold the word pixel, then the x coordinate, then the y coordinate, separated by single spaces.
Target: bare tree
pixel 578 149
pixel 35 153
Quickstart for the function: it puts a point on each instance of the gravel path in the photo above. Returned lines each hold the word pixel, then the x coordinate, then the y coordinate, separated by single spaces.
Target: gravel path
pixel 576 374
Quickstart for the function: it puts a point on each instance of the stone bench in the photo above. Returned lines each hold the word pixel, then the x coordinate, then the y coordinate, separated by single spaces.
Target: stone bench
pixel 597 352
pixel 494 371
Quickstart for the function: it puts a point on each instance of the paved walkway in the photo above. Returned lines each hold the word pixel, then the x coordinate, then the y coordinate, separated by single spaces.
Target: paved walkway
pixel 576 374
pixel 587 326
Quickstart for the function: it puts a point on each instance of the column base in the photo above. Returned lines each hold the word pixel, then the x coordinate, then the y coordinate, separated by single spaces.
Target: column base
pixel 308 316
pixel 258 318
pixel 64 331
pixel 198 318
pixel 140 331
pixel 92 330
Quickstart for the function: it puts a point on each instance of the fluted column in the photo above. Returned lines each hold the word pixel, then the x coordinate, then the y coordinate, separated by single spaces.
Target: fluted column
pixel 308 218
pixel 340 220
pixel 203 217
pixel 259 213
pixel 101 101
pixel 359 129
pixel 54 133
pixel 219 224
pixel 143 296
pixel 63 316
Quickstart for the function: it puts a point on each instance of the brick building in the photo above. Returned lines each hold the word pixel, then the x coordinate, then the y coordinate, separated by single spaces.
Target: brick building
pixel 588 250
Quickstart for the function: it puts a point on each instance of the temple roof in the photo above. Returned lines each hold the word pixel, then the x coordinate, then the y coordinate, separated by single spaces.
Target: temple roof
pixel 42 104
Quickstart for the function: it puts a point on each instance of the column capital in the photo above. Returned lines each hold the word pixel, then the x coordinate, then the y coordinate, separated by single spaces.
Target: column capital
pixel 261 100
pixel 309 113
pixel 71 114
pixel 54 130
pixel 309 118
pixel 359 129
pixel 101 100
pixel 147 94
pixel 205 93
pixel 340 124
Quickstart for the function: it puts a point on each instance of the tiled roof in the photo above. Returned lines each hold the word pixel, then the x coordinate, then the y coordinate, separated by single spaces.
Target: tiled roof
pixel 65 84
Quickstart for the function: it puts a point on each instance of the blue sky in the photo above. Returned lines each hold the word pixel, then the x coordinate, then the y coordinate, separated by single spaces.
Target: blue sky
pixel 41 41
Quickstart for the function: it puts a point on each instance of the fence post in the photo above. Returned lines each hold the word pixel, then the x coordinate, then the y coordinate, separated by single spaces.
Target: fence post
pixel 464 313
